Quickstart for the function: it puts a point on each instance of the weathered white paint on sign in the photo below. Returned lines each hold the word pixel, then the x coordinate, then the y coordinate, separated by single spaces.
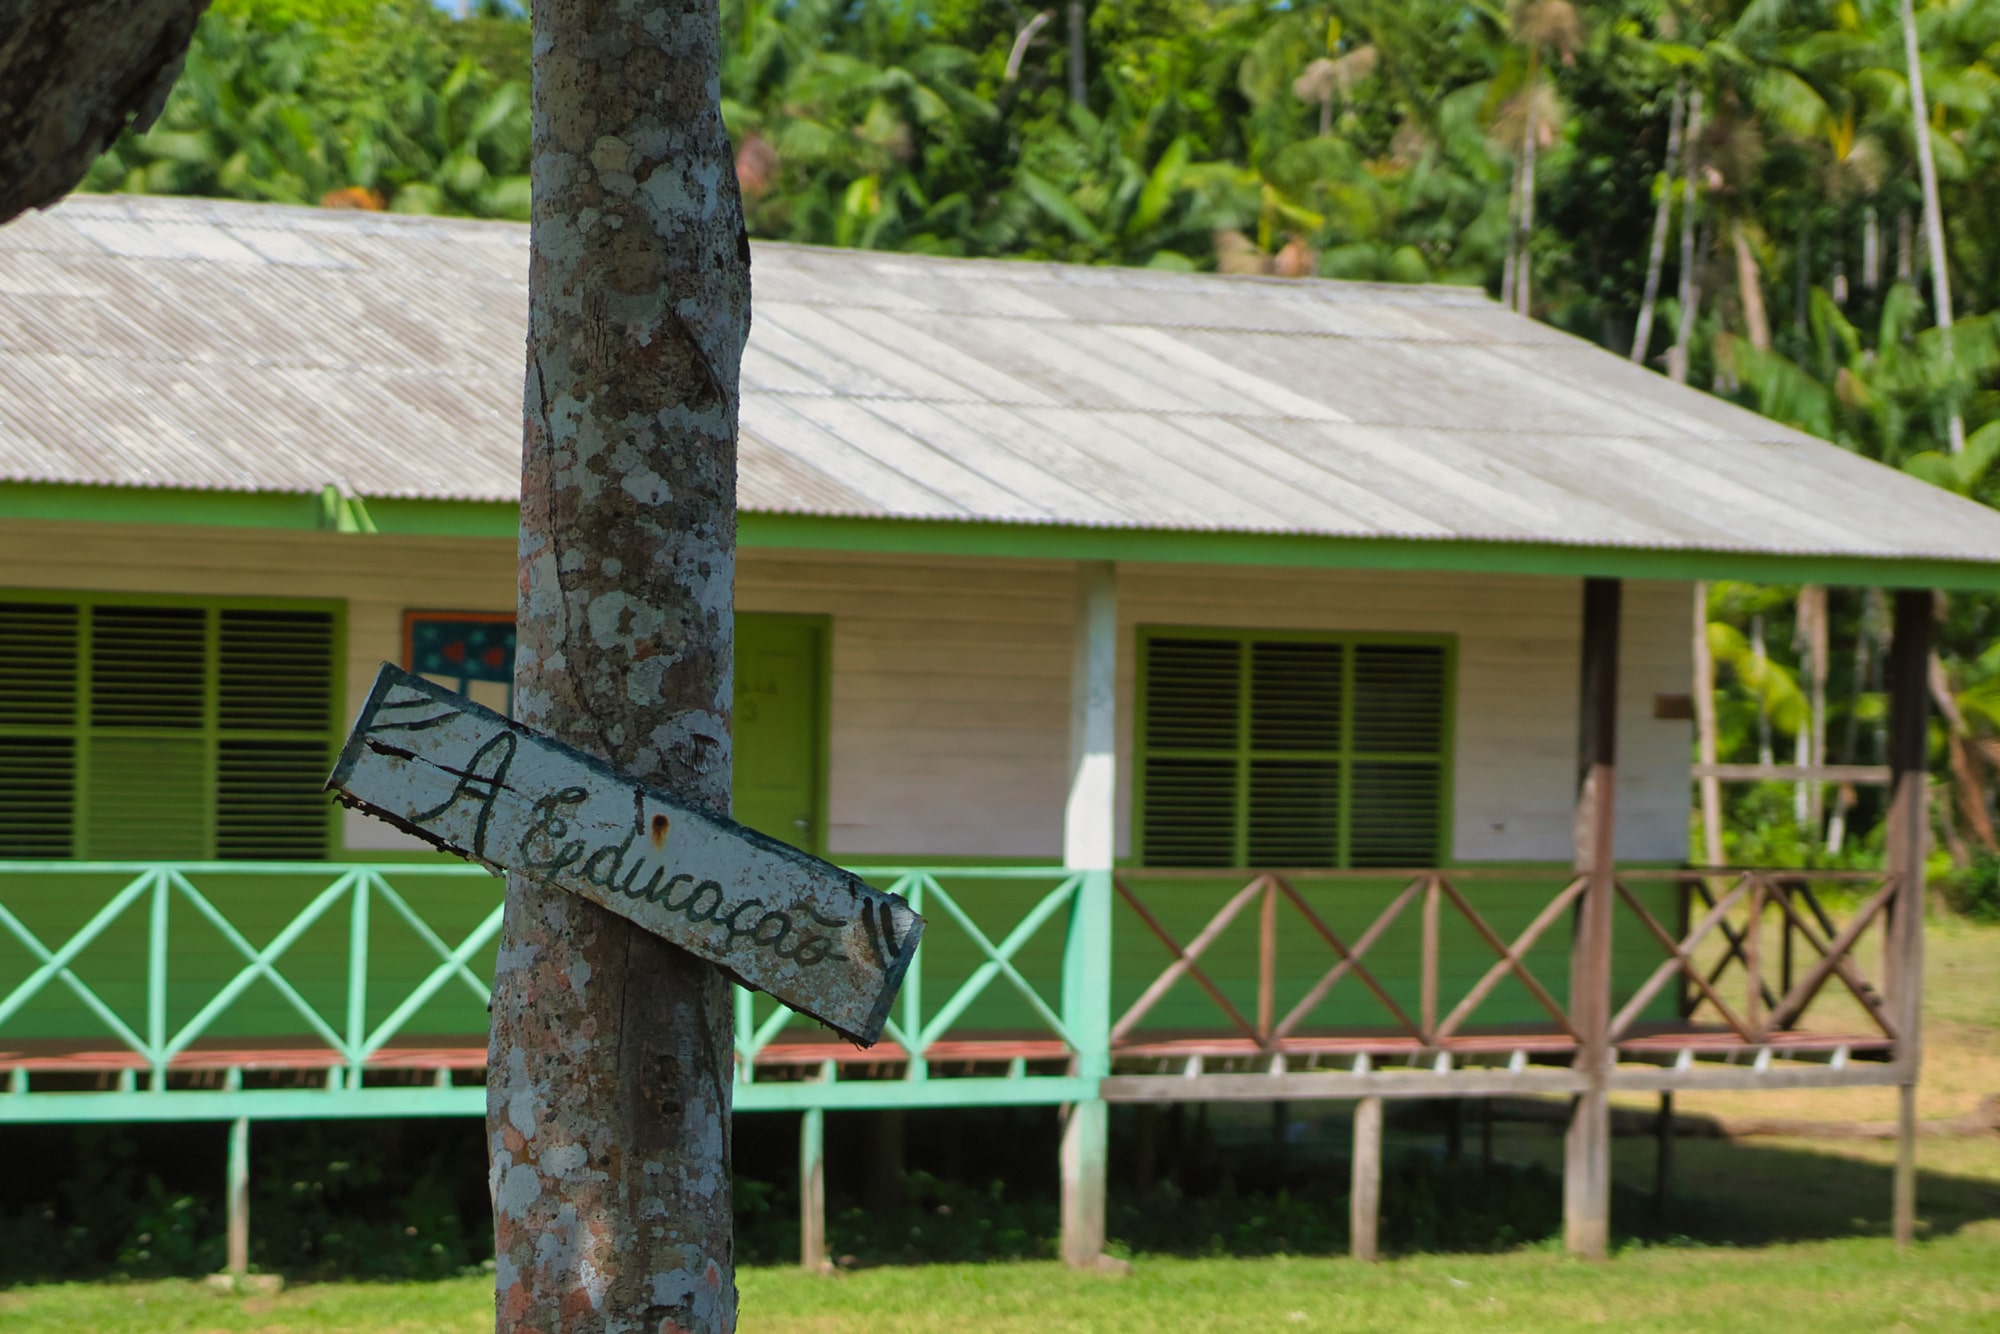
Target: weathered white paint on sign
pixel 472 782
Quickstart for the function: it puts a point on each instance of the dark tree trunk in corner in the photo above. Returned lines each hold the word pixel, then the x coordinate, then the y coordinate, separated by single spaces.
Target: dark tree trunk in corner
pixel 73 75
pixel 609 1083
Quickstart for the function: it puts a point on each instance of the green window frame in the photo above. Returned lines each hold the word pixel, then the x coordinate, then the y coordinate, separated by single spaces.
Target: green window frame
pixel 140 727
pixel 1283 748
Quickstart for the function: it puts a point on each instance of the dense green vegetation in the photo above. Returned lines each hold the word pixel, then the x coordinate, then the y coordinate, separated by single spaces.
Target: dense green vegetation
pixel 1735 183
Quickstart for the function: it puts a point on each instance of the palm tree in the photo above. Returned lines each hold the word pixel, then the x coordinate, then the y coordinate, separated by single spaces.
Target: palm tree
pixel 1656 253
pixel 1541 26
pixel 1920 123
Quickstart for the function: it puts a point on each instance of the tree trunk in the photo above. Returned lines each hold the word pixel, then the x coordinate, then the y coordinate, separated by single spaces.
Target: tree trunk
pixel 1524 249
pixel 1690 292
pixel 1850 749
pixel 1704 731
pixel 1801 279
pixel 609 1073
pixel 1750 289
pixel 1813 652
pixel 1656 253
pixel 1933 219
pixel 73 76
pixel 1967 789
pixel 1079 80
pixel 1871 251
pixel 1761 655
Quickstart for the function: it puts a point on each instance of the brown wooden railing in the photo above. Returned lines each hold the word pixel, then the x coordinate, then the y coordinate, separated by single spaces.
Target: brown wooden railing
pixel 1721 943
pixel 1736 907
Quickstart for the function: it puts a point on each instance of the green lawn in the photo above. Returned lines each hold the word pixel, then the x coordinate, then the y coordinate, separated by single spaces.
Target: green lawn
pixel 1952 1283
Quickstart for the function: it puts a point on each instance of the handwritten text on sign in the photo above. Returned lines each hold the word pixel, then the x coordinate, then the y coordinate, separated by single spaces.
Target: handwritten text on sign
pixel 823 941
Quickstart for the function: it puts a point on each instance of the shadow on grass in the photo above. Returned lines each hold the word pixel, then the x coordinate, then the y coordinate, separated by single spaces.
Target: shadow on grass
pixel 1236 1189
pixel 1761 1192
pixel 351 1200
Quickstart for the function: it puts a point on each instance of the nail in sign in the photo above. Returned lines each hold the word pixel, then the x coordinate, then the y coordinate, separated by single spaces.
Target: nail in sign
pixel 823 941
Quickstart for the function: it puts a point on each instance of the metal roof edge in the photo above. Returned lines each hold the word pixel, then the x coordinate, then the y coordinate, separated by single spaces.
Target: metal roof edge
pixel 300 511
pixel 889 535
pixel 895 535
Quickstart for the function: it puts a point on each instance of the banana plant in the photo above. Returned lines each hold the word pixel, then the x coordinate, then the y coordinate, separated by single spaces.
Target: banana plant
pixel 237 123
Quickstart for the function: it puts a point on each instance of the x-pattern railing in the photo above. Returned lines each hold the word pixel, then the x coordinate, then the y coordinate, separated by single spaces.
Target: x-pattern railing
pixel 1734 909
pixel 914 1030
pixel 1434 890
pixel 159 887
pixel 1727 922
pixel 1735 906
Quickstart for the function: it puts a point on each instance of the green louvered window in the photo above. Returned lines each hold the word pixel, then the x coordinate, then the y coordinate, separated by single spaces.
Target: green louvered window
pixel 1290 750
pixel 164 731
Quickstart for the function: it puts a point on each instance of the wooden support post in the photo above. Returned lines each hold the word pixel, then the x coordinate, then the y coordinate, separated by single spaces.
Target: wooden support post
pixel 1090 831
pixel 1587 1146
pixel 1427 964
pixel 1145 1148
pixel 812 1191
pixel 1364 1196
pixel 1663 1158
pixel 237 1195
pixel 884 1190
pixel 1904 1188
pixel 1454 1130
pixel 1909 750
pixel 1486 1136
pixel 1083 1163
pixel 1267 963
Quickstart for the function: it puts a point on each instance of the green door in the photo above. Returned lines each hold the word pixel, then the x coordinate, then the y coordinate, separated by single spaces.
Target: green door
pixel 778 725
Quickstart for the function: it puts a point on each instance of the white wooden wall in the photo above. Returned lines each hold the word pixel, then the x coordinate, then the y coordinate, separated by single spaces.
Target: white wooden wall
pixel 950 691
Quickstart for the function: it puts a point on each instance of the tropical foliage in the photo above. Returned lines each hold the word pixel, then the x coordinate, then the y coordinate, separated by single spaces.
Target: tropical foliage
pixel 1736 183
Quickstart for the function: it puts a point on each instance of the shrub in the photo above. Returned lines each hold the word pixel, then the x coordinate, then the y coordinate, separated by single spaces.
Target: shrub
pixel 1975 891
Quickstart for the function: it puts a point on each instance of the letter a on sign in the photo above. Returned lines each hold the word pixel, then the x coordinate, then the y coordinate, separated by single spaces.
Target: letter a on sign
pixel 821 940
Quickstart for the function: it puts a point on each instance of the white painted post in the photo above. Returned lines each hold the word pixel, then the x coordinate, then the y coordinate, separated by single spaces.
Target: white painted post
pixel 1090 820
pixel 1090 831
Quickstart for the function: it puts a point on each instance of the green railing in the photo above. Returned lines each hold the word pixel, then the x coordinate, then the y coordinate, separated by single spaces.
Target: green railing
pixel 369 982
pixel 1005 1002
pixel 177 991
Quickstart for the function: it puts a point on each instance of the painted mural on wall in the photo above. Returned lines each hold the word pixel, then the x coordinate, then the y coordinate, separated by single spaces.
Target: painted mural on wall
pixel 469 652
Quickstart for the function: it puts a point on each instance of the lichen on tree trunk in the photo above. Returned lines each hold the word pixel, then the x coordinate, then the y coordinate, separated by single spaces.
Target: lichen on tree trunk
pixel 611 1059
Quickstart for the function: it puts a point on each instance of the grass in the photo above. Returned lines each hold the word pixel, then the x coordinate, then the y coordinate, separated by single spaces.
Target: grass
pixel 1789 1234
pixel 1961 1038
pixel 1839 1285
pixel 1793 1237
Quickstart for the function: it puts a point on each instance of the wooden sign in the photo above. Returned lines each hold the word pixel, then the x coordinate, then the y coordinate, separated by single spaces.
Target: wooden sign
pixel 461 776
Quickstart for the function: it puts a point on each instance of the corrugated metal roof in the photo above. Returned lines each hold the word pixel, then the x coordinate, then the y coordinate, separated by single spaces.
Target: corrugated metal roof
pixel 227 346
